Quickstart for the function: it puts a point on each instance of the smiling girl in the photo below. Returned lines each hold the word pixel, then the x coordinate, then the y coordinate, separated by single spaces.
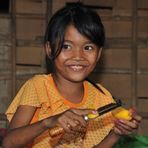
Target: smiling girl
pixel 73 42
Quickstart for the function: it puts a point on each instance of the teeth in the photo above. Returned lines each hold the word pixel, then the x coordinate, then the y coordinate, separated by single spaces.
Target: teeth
pixel 76 67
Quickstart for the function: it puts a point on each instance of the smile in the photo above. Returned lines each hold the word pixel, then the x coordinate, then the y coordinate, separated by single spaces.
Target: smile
pixel 77 67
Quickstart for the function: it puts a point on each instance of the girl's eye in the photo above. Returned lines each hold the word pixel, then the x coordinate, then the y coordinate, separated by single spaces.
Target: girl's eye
pixel 66 46
pixel 88 47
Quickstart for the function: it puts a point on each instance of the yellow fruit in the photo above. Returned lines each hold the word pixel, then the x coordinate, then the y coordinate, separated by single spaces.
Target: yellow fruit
pixel 122 113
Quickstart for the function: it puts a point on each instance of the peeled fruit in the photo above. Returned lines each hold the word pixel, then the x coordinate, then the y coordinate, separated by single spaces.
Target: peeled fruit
pixel 122 113
pixel 91 116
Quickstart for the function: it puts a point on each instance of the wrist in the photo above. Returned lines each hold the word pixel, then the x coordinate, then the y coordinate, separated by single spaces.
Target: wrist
pixel 48 122
pixel 109 141
pixel 114 136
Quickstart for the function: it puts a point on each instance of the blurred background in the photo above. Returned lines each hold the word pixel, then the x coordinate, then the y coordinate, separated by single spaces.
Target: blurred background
pixel 123 68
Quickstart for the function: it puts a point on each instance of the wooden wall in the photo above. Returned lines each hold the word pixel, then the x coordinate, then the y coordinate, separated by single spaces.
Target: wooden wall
pixel 123 68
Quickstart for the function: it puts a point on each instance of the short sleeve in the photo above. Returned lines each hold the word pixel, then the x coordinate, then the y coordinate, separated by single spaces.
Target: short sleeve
pixel 27 95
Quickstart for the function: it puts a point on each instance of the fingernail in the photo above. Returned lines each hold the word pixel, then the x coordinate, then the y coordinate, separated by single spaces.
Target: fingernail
pixel 116 121
pixel 133 109
pixel 122 121
pixel 94 112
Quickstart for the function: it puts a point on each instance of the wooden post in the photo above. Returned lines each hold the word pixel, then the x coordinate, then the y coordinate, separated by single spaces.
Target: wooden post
pixel 13 42
pixel 134 57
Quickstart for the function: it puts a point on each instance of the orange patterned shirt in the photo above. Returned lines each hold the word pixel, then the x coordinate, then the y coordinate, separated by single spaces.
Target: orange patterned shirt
pixel 41 92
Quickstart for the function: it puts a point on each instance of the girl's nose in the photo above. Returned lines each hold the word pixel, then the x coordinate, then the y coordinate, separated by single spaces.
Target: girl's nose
pixel 78 54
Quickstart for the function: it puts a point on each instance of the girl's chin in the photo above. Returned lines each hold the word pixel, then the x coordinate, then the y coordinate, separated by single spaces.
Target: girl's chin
pixel 77 78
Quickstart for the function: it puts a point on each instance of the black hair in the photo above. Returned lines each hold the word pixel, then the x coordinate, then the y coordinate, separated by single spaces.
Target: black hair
pixel 85 20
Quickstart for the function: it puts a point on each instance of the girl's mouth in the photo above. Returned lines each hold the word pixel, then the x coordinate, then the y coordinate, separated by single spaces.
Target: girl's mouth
pixel 77 67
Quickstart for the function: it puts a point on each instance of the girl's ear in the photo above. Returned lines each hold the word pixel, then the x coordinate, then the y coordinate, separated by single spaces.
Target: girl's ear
pixel 99 54
pixel 48 49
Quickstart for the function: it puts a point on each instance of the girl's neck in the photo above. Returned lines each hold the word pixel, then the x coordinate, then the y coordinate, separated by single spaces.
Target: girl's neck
pixel 71 91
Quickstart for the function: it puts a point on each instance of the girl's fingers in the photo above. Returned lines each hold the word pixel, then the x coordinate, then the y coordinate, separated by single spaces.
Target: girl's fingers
pixel 66 127
pixel 70 121
pixel 135 116
pixel 125 127
pixel 75 119
pixel 73 122
pixel 121 131
pixel 128 124
pixel 117 131
pixel 119 123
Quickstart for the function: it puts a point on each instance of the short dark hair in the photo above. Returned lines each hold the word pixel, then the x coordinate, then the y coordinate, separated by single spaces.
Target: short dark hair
pixel 85 20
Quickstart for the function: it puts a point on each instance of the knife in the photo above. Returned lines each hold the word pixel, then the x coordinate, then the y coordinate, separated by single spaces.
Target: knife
pixel 104 109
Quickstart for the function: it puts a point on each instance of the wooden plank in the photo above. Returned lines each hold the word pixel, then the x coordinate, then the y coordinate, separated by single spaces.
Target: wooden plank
pixel 99 2
pixel 23 71
pixel 31 6
pixel 21 81
pixel 29 55
pixel 142 4
pixel 142 28
pixel 30 29
pixel 143 13
pixel 123 8
pixel 143 130
pixel 117 29
pixel 134 55
pixel 5 53
pixel 3 116
pixel 110 59
pixel 56 5
pixel 126 4
pixel 142 85
pixel 118 43
pixel 142 58
pixel 118 84
pixel 142 105
pixel 5 94
pixel 5 26
pixel 13 41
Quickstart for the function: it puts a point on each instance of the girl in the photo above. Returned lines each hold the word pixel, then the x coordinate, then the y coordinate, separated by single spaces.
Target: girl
pixel 74 40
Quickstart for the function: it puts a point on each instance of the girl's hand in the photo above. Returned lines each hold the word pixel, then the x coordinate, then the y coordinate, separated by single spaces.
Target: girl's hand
pixel 72 120
pixel 125 127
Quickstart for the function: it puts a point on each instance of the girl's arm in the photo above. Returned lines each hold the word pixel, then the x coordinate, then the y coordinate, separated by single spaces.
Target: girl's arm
pixel 20 131
pixel 109 141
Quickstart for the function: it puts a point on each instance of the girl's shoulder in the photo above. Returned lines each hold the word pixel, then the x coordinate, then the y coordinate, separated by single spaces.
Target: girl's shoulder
pixel 39 81
pixel 32 93
pixel 40 78
pixel 99 88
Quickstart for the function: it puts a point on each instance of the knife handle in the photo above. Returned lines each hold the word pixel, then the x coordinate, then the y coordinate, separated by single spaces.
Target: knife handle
pixel 56 131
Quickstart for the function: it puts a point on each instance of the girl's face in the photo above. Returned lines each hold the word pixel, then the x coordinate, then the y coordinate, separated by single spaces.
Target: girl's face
pixel 77 58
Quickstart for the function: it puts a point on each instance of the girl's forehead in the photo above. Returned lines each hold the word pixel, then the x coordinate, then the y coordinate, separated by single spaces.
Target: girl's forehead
pixel 72 33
